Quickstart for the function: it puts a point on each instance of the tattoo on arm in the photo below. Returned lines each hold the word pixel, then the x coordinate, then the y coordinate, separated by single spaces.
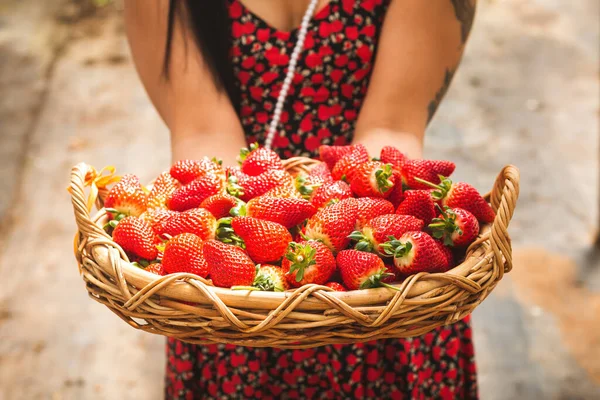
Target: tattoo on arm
pixel 434 104
pixel 465 13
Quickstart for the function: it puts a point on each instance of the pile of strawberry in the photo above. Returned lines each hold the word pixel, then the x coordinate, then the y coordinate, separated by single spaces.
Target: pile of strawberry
pixel 350 223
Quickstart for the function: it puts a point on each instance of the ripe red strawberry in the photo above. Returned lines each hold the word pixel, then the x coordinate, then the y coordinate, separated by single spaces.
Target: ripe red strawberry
pixel 286 191
pixel 333 224
pixel 456 227
pixel 397 192
pixel 265 241
pixel 428 170
pixel 372 179
pixel 337 190
pixel 183 253
pixel 418 203
pixel 256 160
pixel 186 171
pixel 228 265
pixel 195 192
pixel 378 230
pixel 288 212
pixel 415 252
pixel 332 154
pixel 321 171
pixel 307 183
pixel 254 186
pixel 234 171
pixel 219 205
pixel 156 268
pixel 347 165
pixel 162 188
pixel 371 207
pixel 361 270
pixel 448 255
pixel 308 262
pixel 127 197
pixel 158 218
pixel 269 278
pixel 338 287
pixel 136 237
pixel 462 195
pixel 198 221
pixel 391 155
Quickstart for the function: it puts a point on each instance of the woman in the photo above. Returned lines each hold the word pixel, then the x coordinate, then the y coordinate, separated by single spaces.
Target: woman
pixel 371 72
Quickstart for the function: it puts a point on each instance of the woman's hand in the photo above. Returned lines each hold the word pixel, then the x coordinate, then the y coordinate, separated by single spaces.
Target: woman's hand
pixel 198 113
pixel 420 47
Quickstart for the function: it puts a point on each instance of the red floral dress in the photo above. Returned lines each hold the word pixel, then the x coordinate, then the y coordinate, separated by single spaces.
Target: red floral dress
pixel 324 102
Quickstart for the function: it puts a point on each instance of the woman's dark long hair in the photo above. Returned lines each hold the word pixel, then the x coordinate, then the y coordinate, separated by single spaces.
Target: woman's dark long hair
pixel 209 22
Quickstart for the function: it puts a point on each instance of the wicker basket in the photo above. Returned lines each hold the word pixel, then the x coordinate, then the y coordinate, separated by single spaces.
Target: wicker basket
pixel 189 308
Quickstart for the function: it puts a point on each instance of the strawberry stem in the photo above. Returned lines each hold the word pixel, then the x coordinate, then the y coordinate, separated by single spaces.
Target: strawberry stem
pixel 441 190
pixel 390 286
pixel 430 184
pixel 375 280
pixel 251 288
pixel 437 225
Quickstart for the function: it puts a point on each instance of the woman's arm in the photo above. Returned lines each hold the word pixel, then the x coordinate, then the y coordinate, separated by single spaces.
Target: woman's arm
pixel 420 48
pixel 200 117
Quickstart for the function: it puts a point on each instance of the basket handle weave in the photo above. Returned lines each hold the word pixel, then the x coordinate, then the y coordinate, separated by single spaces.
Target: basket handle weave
pixel 83 175
pixel 503 199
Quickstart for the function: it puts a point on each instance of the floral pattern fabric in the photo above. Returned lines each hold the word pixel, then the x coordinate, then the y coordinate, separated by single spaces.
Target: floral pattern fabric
pixel 328 89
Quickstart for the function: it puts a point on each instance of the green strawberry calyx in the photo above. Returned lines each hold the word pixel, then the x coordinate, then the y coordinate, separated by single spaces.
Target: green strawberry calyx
pixel 233 188
pixel 301 257
pixel 268 281
pixel 116 217
pixel 396 248
pixel 239 210
pixel 382 176
pixel 143 264
pixel 375 280
pixel 362 241
pixel 445 226
pixel 245 151
pixel 441 190
pixel 264 281
pixel 331 202
pixel 226 234
pixel 306 190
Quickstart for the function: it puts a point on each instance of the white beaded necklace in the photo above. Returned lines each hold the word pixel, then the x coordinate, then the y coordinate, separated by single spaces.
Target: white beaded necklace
pixel 290 73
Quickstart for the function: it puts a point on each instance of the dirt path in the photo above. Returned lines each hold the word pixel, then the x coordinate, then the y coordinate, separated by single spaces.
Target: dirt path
pixel 526 94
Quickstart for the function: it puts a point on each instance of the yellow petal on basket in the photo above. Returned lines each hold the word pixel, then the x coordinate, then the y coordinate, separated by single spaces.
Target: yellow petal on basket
pixel 98 181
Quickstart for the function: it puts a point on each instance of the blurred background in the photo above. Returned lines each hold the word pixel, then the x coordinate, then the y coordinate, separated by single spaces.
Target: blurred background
pixel 527 94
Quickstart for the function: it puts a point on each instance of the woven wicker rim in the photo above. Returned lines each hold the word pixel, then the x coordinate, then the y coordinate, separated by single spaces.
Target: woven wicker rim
pixel 310 316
